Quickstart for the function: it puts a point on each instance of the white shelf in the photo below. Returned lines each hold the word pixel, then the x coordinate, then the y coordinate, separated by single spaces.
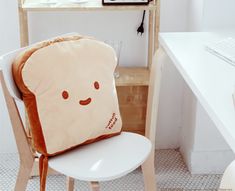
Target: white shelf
pixel 91 5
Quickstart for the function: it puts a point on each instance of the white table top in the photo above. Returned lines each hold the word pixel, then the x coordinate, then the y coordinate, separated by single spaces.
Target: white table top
pixel 211 79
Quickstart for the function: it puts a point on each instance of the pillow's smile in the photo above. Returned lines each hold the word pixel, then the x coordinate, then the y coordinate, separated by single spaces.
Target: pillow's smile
pixel 85 102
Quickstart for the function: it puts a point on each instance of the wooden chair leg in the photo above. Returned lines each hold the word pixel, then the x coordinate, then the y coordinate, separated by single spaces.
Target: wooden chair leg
pixel 70 184
pixel 23 177
pixel 149 174
pixel 95 186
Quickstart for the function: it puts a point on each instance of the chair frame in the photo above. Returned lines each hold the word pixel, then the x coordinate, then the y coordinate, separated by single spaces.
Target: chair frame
pixel 27 157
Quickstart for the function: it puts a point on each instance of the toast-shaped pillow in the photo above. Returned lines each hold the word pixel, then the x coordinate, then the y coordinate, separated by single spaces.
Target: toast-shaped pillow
pixel 68 89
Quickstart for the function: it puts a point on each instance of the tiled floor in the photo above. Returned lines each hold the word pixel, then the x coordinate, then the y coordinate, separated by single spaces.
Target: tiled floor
pixel 171 175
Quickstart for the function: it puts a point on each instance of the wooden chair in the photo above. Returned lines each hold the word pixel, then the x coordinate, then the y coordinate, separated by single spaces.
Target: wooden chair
pixel 85 163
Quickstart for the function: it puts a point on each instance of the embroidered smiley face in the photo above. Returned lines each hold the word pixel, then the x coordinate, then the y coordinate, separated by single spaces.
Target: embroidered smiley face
pixel 83 102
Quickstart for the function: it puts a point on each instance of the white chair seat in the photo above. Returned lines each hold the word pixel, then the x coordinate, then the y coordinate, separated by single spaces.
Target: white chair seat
pixel 227 182
pixel 104 160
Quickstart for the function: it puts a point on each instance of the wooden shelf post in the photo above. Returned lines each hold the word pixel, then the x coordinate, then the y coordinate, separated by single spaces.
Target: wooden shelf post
pixel 23 24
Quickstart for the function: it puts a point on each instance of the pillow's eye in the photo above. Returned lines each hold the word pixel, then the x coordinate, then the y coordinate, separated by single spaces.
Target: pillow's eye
pixel 96 85
pixel 65 94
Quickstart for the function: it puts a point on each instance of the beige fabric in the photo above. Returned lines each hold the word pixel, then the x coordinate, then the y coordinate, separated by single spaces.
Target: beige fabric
pixel 65 75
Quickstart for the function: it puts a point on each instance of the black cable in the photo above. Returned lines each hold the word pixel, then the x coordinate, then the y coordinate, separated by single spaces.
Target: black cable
pixel 141 27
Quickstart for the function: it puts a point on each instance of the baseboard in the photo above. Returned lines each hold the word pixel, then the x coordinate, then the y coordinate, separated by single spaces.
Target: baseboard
pixel 209 162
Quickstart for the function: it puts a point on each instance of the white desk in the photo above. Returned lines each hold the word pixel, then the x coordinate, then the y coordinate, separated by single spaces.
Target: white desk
pixel 211 79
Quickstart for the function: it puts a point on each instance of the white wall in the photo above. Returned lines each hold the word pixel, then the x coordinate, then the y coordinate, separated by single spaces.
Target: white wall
pixel 170 109
pixel 174 15
pixel 218 15
pixel 9 35
pixel 105 25
pixel 9 40
pixel 211 15
pixel 195 15
pixel 188 124
pixel 208 146
pixel 202 146
pixel 102 25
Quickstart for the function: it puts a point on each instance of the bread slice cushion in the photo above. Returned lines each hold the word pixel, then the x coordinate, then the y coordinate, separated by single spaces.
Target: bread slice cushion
pixel 68 88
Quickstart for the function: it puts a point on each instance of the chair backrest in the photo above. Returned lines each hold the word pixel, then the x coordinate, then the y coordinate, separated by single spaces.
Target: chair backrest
pixel 6 66
pixel 6 61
